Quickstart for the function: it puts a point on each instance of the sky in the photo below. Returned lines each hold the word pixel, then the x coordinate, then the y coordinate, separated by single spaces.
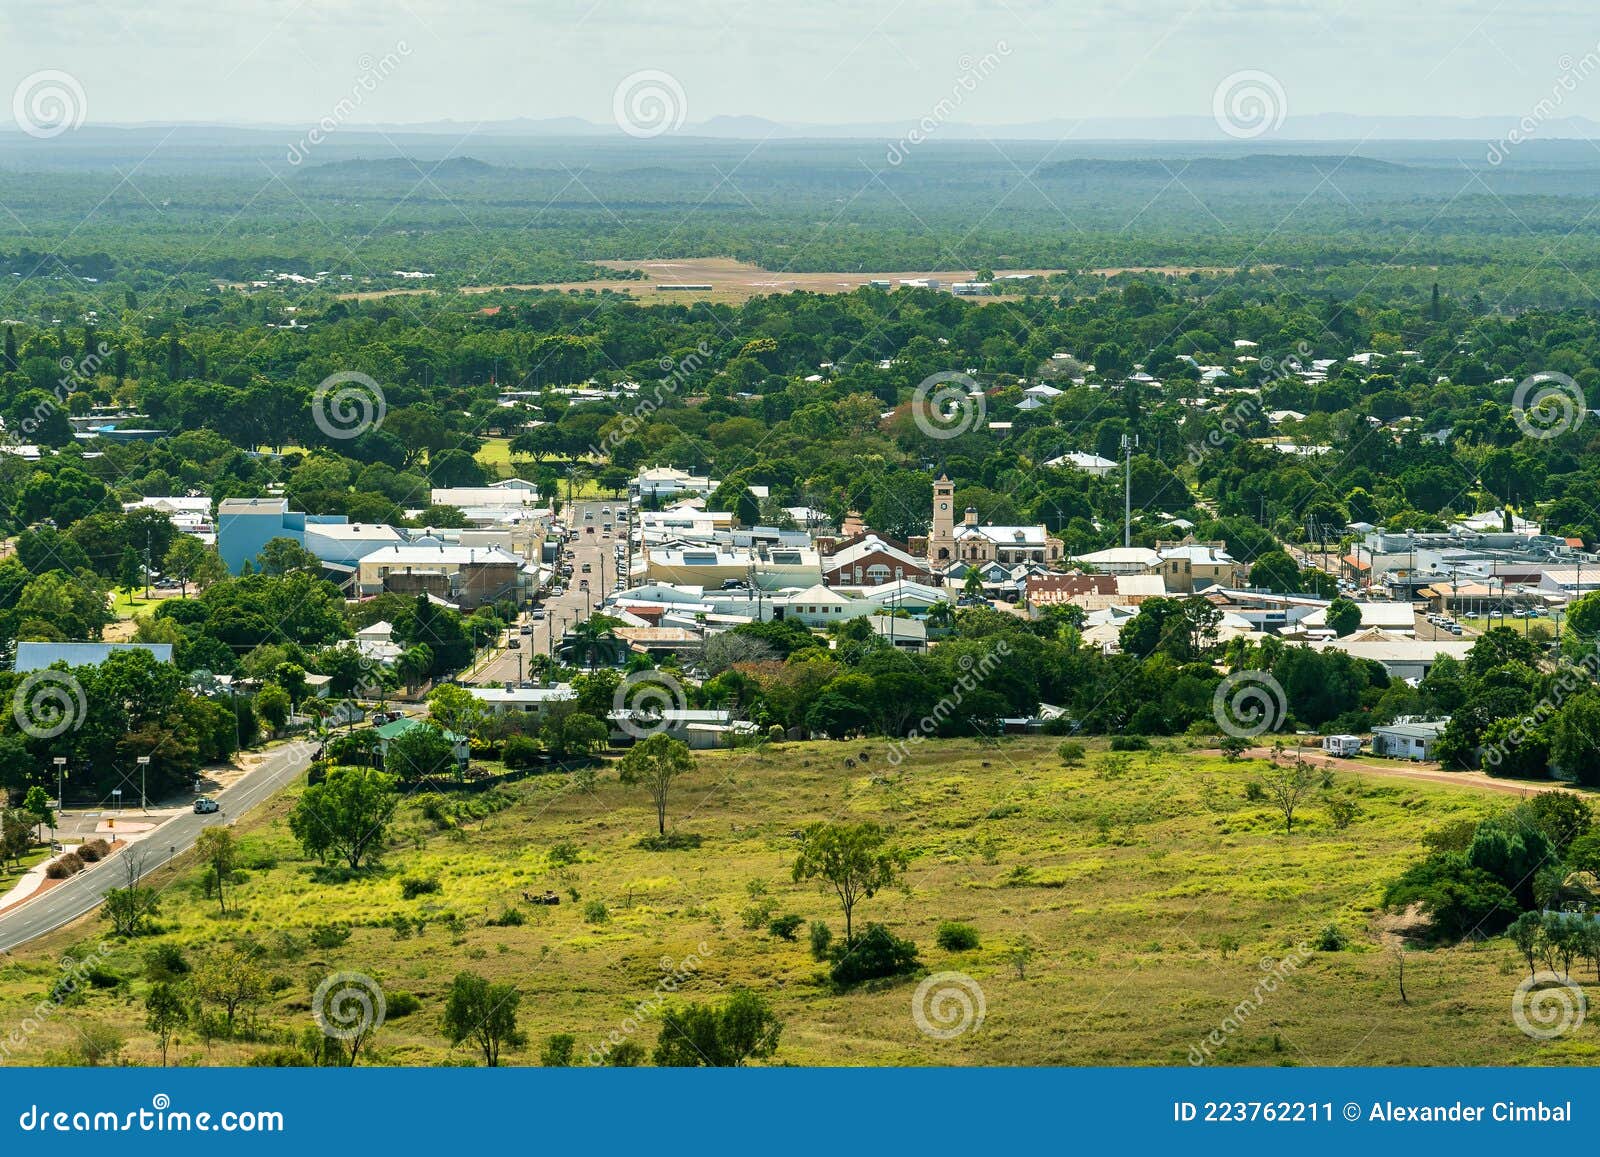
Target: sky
pixel 818 62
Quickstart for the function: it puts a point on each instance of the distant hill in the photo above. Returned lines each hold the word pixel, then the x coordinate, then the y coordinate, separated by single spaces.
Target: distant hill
pixel 379 167
pixel 1258 166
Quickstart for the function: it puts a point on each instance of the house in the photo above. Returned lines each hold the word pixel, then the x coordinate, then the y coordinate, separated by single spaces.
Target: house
pixel 38 656
pixel 1191 566
pixel 902 633
pixel 1120 560
pixel 1403 657
pixel 245 525
pixel 668 482
pixel 871 561
pixel 1396 618
pixel 1087 463
pixel 1411 739
pixel 460 745
pixel 468 576
pixel 533 701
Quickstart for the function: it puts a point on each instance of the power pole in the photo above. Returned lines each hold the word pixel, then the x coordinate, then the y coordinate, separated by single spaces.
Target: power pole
pixel 1127 488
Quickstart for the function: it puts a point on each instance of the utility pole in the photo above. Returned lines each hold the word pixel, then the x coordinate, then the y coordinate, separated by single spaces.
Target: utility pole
pixel 1128 443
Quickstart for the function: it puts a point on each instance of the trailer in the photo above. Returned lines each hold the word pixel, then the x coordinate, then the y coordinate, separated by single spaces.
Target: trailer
pixel 1343 746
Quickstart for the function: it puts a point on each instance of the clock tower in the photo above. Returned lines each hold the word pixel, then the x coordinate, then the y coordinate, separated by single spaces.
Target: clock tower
pixel 942 540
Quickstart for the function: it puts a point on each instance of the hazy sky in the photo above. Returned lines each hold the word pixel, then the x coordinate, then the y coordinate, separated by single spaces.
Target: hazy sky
pixel 817 61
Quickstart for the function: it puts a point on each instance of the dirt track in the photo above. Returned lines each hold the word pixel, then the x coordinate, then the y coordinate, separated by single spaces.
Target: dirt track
pixel 1423 772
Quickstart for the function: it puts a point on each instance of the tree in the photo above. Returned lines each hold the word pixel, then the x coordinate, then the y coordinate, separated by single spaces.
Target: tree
pixel 1275 571
pixel 227 976
pixel 1525 933
pixel 346 815
pixel 129 570
pixel 164 1014
pixel 654 763
pixel 1344 617
pixel 420 752
pixel 454 708
pixel 282 555
pixel 853 859
pixel 745 1027
pixel 16 835
pixel 483 1013
pixel 37 804
pixel 1287 787
pixel 184 558
pixel 216 847
pixel 272 703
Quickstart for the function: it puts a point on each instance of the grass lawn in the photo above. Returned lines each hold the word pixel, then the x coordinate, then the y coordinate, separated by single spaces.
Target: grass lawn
pixel 1130 878
pixel 140 608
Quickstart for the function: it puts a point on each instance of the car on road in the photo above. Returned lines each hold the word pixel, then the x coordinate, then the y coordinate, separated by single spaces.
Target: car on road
pixel 583 584
pixel 605 510
pixel 605 528
pixel 588 516
pixel 536 616
pixel 514 644
pixel 205 806
pixel 587 569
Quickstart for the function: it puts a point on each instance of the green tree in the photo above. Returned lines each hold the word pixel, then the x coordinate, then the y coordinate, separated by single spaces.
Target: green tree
pixel 280 556
pixel 654 764
pixel 1344 617
pixel 272 704
pixel 217 849
pixel 1275 571
pixel 164 1014
pixel 454 708
pixel 185 557
pixel 346 816
pixel 854 859
pixel 230 978
pixel 742 1029
pixel 483 1013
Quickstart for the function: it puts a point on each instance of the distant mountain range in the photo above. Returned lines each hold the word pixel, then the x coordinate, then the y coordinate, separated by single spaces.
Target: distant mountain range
pixel 1311 127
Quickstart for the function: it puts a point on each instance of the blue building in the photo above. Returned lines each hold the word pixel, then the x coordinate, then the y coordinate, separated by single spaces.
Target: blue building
pixel 245 525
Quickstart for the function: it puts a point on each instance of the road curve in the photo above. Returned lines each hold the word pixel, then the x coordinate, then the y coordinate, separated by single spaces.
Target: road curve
pixel 82 893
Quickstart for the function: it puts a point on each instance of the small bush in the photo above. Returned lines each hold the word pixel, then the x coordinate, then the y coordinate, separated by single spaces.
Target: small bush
pixel 329 935
pixel 595 912
pixel 876 954
pixel 93 850
pixel 1332 939
pixel 756 915
pixel 509 918
pixel 821 940
pixel 629 1054
pixel 557 1050
pixel 67 865
pixel 398 1004
pixel 1255 793
pixel 413 886
pixel 671 842
pixel 955 937
pixel 1071 753
pixel 562 854
pixel 520 752
pixel 165 963
pixel 785 927
pixel 1129 743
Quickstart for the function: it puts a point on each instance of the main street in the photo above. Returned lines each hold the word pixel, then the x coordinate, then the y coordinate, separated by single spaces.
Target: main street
pixel 73 897
pixel 595 548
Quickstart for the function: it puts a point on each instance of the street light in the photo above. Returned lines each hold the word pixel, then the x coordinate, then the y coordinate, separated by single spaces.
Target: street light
pixel 61 774
pixel 144 766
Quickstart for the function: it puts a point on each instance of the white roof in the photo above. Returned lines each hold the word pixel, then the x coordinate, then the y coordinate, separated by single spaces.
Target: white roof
pixel 414 555
pixel 1120 556
pixel 870 545
pixel 1078 460
pixel 1005 535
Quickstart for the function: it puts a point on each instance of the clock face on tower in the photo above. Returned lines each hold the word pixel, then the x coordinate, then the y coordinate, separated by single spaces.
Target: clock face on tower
pixel 944 506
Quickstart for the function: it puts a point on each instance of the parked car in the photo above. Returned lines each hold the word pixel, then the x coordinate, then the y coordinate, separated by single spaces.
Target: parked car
pixel 514 644
pixel 205 806
pixel 537 616
pixel 587 569
pixel 526 629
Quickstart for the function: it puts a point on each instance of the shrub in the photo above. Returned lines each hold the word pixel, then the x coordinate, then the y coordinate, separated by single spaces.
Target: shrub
pixel 1254 792
pixel 785 927
pixel 955 937
pixel 876 954
pixel 64 866
pixel 1332 939
pixel 93 850
pixel 1129 743
pixel 329 935
pixel 821 940
pixel 756 915
pixel 595 912
pixel 509 918
pixel 164 963
pixel 398 1004
pixel 413 886
pixel 557 1051
pixel 520 752
pixel 629 1054
pixel 1071 752
pixel 562 854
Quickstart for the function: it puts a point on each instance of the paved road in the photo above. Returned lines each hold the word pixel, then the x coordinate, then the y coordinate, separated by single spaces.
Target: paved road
pixel 66 902
pixel 597 549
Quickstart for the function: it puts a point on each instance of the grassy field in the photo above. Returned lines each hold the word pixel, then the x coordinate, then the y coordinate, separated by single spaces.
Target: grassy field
pixel 1151 894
